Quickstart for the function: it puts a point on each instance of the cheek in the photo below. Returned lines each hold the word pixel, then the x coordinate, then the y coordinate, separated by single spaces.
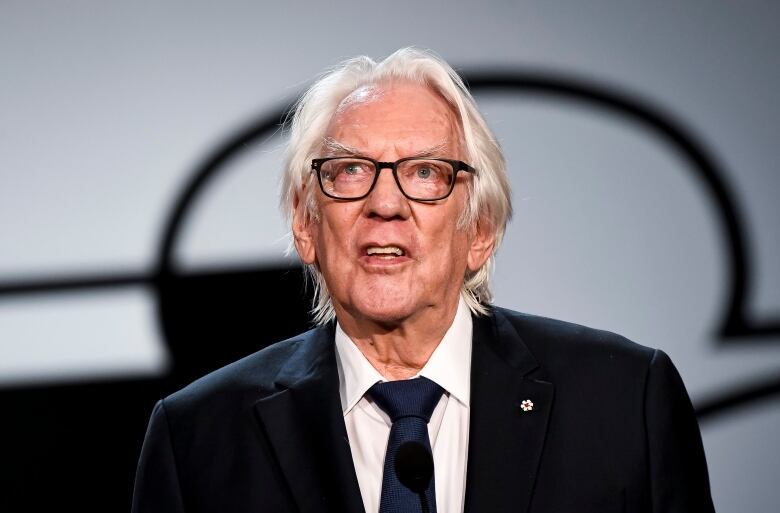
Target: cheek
pixel 449 253
pixel 333 238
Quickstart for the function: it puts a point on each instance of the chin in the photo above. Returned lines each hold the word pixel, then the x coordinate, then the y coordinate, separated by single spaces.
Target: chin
pixel 383 309
pixel 387 314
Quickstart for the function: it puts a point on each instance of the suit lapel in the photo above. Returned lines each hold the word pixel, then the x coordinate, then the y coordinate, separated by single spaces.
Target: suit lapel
pixel 505 442
pixel 305 428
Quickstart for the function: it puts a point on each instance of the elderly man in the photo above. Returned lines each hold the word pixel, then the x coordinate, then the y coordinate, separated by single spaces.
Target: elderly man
pixel 414 393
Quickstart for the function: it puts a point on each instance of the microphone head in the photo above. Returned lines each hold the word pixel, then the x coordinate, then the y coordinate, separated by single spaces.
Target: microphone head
pixel 414 466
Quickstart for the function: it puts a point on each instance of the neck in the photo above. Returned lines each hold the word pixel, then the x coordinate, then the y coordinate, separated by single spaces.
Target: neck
pixel 400 350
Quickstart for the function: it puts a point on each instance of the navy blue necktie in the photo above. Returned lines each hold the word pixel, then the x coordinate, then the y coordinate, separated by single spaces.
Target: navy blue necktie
pixel 409 404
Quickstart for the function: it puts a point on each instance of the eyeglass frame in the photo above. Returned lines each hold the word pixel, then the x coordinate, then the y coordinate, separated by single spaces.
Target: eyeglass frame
pixel 457 166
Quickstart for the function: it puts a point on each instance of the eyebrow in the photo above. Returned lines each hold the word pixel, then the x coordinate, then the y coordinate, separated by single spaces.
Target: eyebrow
pixel 336 148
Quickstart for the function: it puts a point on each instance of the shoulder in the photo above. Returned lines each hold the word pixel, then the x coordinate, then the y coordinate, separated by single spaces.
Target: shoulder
pixel 244 381
pixel 620 410
pixel 587 364
pixel 564 348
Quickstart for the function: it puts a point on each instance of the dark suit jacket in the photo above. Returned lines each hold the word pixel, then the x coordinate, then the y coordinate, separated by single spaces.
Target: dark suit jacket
pixel 612 429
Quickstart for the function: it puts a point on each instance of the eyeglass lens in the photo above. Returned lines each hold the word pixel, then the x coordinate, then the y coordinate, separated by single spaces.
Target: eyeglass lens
pixel 419 178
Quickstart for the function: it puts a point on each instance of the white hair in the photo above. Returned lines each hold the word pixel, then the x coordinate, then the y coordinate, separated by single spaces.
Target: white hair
pixel 489 203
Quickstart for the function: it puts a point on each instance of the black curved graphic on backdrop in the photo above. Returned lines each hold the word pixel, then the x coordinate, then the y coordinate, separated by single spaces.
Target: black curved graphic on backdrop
pixel 736 321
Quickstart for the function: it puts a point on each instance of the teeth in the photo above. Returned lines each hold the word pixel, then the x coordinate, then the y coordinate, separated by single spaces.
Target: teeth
pixel 385 250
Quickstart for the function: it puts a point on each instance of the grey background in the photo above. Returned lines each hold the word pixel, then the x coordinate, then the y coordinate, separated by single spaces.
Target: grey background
pixel 106 109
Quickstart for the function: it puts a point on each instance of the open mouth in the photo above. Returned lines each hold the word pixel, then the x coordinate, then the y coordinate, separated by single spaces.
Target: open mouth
pixel 385 252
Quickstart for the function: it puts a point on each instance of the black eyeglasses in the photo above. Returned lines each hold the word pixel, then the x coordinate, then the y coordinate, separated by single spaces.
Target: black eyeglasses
pixel 419 179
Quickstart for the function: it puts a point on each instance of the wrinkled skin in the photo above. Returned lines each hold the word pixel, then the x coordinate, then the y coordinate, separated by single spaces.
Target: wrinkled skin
pixel 409 300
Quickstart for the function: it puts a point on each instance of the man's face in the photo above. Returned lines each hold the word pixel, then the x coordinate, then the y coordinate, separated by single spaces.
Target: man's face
pixel 388 122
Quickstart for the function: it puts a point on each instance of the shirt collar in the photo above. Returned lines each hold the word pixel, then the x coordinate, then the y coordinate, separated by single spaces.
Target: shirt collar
pixel 356 374
pixel 449 366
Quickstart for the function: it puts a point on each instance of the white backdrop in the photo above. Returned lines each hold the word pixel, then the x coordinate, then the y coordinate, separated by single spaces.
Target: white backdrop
pixel 107 108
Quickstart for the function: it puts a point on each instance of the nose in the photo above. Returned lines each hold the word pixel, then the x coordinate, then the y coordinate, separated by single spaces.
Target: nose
pixel 386 200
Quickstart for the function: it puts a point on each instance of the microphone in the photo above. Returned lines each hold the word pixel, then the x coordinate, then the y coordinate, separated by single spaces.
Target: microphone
pixel 414 468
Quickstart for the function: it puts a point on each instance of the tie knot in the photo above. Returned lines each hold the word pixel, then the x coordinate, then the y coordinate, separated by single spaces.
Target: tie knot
pixel 407 398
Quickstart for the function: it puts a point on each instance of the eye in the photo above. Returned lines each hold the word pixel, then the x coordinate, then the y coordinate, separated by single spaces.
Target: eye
pixel 353 168
pixel 424 172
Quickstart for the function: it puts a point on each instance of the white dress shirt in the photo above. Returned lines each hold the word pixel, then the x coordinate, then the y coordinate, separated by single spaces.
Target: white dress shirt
pixel 368 427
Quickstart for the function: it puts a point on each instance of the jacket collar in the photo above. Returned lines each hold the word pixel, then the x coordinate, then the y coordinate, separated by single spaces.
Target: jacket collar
pixel 305 427
pixel 505 441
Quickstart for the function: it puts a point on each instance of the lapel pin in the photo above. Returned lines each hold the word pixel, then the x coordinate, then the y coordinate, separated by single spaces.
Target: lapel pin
pixel 527 405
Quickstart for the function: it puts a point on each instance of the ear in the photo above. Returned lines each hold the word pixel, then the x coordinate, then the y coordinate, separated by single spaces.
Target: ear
pixel 481 246
pixel 302 228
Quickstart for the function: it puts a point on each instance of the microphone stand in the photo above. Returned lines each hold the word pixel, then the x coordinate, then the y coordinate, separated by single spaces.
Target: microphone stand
pixel 424 502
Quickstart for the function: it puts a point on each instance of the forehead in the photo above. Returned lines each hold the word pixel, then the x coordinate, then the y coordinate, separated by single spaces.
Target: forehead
pixel 401 118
